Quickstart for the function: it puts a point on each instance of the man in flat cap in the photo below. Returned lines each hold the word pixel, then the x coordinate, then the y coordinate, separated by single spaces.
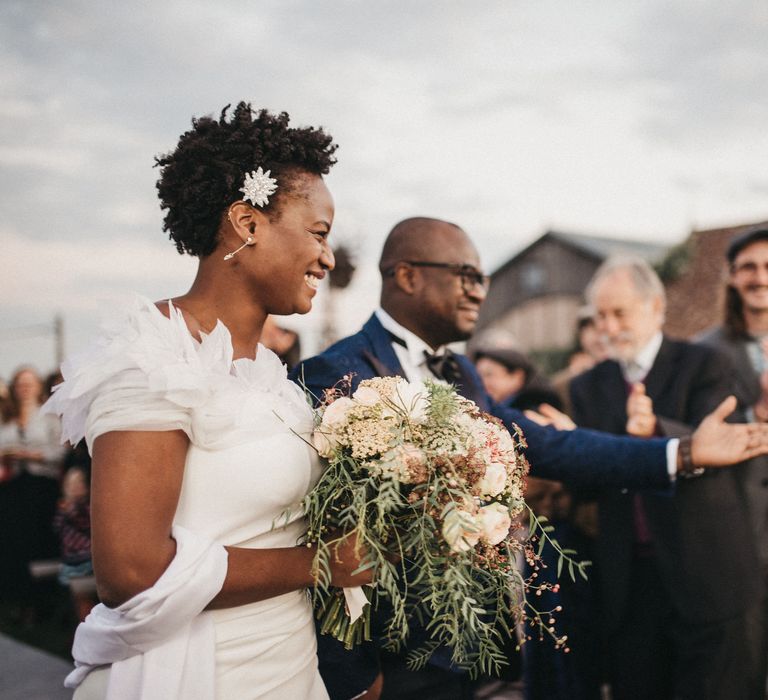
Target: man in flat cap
pixel 743 337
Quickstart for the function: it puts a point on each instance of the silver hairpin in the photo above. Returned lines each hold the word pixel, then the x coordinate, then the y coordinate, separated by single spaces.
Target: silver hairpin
pixel 258 186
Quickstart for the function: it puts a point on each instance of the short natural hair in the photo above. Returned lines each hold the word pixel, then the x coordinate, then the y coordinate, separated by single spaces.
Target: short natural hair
pixel 203 176
pixel 643 276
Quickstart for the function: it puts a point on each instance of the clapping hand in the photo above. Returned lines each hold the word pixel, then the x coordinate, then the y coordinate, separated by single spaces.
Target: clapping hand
pixel 641 420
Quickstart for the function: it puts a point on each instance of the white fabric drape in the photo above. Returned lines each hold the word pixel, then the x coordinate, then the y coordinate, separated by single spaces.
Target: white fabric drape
pixel 160 644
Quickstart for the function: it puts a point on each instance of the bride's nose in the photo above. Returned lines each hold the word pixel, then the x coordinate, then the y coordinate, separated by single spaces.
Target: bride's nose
pixel 327 258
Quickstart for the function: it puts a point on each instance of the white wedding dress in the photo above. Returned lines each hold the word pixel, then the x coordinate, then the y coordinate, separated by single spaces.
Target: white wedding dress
pixel 247 466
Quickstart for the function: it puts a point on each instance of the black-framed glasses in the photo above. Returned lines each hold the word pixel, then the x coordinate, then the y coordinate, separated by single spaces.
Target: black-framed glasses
pixel 749 267
pixel 471 277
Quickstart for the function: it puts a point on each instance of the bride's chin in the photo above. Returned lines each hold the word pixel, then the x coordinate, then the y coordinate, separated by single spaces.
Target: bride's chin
pixel 301 306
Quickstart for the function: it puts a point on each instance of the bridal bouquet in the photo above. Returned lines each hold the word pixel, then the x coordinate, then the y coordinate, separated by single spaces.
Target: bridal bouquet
pixel 433 488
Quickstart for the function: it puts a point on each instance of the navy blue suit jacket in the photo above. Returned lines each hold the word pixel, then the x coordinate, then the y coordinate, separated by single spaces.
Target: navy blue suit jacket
pixel 579 457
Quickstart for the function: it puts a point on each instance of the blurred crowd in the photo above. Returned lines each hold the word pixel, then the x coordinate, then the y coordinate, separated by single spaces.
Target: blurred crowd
pixel 45 528
pixel 677 577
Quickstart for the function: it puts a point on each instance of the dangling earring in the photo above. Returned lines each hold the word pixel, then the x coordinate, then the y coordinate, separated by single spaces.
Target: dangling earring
pixel 248 241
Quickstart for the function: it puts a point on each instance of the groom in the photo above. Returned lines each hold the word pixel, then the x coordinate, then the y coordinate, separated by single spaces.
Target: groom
pixel 431 294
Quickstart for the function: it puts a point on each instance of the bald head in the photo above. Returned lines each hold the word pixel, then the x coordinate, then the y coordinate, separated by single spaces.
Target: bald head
pixel 416 238
pixel 423 288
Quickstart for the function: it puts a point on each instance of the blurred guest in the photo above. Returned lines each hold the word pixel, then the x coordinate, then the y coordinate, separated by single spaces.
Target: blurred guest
pixel 31 448
pixel 30 455
pixel 550 674
pixel 590 350
pixel 511 379
pixel 283 342
pixel 678 568
pixel 743 338
pixel 72 524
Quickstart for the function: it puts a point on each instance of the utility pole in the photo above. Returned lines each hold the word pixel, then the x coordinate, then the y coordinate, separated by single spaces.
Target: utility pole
pixel 58 339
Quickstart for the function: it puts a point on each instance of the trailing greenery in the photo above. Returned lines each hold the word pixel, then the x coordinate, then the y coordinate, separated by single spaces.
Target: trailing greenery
pixel 466 591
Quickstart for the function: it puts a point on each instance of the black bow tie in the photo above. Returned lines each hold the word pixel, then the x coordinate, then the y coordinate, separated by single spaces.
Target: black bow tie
pixel 444 366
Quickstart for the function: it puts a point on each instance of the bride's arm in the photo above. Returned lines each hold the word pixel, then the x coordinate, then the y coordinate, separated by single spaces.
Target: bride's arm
pixel 136 482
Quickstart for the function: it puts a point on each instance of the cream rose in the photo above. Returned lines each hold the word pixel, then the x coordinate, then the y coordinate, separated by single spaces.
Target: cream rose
pixel 494 522
pixel 367 396
pixel 460 530
pixel 325 442
pixel 335 415
pixel 494 480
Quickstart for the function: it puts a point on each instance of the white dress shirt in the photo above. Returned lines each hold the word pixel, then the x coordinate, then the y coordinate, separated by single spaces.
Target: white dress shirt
pixel 411 355
pixel 636 369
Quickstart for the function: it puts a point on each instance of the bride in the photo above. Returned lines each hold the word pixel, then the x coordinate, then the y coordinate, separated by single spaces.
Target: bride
pixel 199 464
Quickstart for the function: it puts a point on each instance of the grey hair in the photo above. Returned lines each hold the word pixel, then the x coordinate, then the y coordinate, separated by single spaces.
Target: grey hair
pixel 643 277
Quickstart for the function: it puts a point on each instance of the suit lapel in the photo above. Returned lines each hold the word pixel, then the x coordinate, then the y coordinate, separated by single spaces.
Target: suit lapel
pixel 470 386
pixel 379 367
pixel 381 356
pixel 612 391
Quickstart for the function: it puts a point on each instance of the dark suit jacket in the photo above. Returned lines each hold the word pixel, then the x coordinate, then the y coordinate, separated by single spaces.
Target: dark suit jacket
pixel 579 457
pixel 702 543
pixel 746 388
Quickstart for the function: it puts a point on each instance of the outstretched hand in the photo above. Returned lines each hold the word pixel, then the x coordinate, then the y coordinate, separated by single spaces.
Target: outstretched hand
pixel 716 443
pixel 549 415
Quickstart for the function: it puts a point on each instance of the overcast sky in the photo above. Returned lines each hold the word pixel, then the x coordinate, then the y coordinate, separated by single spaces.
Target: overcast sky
pixel 629 119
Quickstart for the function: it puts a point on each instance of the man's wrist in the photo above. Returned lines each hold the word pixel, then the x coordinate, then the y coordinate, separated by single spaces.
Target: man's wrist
pixel 685 464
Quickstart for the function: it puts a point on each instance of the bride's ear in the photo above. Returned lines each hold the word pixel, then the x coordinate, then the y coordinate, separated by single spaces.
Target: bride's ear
pixel 244 221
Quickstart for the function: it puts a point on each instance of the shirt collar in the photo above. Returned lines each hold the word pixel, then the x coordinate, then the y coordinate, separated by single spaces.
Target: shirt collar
pixel 646 356
pixel 415 346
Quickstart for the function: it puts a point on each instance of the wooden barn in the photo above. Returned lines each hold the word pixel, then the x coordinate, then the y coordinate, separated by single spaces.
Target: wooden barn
pixel 534 297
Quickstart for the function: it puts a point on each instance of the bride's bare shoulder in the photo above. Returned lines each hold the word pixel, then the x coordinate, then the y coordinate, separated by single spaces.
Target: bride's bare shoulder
pixel 164 307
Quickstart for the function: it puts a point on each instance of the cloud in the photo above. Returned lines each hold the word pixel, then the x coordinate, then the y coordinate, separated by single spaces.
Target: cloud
pixel 704 70
pixel 82 275
pixel 504 117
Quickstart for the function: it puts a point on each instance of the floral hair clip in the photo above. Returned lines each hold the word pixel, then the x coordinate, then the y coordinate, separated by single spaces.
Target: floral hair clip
pixel 258 186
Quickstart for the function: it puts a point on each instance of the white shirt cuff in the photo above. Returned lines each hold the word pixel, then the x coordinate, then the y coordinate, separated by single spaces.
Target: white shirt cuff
pixel 672 447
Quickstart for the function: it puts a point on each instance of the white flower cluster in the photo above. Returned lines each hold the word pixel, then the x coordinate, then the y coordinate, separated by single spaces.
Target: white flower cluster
pixel 368 422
